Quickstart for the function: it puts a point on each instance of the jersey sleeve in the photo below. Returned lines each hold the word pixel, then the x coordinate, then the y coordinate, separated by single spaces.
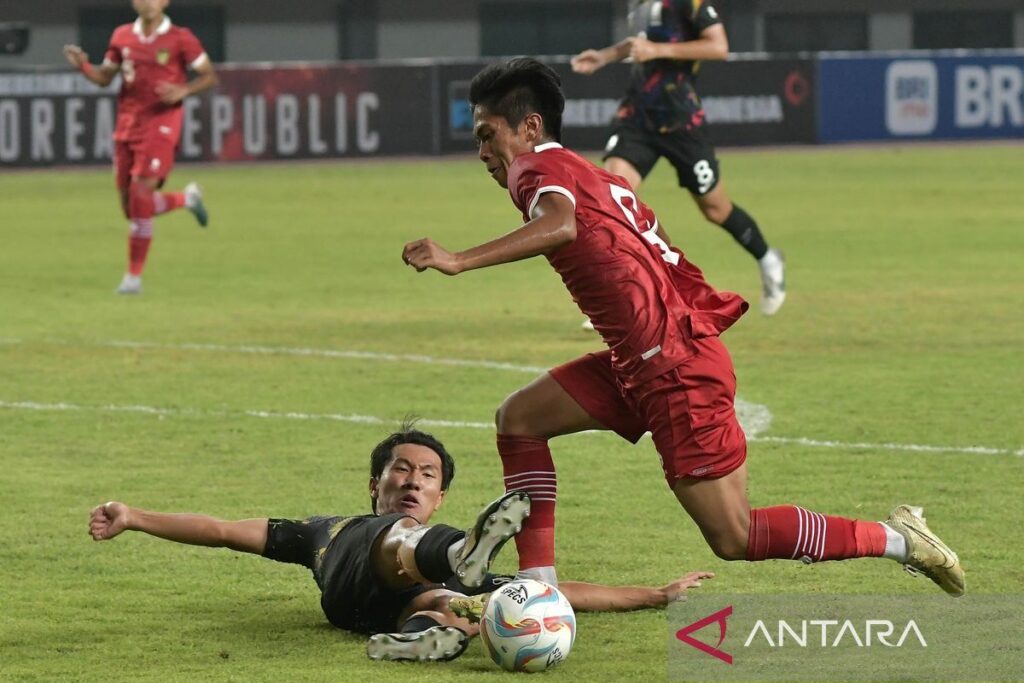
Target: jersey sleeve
pixel 293 541
pixel 113 52
pixel 192 51
pixel 532 176
pixel 703 14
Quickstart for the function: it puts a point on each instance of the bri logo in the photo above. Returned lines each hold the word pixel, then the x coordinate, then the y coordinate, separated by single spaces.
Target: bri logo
pixel 911 97
pixel 719 618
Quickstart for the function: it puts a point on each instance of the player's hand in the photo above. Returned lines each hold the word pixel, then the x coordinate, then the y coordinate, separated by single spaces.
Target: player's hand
pixel 587 62
pixel 108 520
pixel 643 50
pixel 75 55
pixel 426 253
pixel 674 591
pixel 171 93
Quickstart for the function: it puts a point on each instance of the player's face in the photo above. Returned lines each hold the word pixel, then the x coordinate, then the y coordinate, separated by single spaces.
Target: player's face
pixel 149 9
pixel 499 143
pixel 410 483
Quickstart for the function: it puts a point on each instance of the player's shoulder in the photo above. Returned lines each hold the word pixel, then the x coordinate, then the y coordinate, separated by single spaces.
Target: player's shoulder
pixel 122 32
pixel 548 157
pixel 180 31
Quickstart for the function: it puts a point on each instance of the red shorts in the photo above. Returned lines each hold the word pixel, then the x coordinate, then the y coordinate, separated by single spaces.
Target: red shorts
pixel 152 158
pixel 688 410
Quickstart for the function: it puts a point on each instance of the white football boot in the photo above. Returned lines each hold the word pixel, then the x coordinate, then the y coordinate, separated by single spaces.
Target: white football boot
pixel 130 284
pixel 773 281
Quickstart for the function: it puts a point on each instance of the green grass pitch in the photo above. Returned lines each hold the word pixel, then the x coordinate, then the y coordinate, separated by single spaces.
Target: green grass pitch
pixel 903 326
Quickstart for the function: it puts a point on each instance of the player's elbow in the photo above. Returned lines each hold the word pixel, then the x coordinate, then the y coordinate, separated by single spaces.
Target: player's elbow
pixel 566 232
pixel 721 46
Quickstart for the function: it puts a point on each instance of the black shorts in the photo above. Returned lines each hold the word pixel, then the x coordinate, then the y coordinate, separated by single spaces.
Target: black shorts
pixel 689 151
pixel 339 552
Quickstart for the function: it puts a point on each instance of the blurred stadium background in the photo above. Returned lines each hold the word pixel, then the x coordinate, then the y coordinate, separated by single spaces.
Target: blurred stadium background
pixel 796 63
pixel 271 352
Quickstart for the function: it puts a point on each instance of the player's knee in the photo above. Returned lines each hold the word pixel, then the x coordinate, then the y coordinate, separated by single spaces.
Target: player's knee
pixel 730 550
pixel 514 416
pixel 731 546
pixel 716 213
pixel 140 200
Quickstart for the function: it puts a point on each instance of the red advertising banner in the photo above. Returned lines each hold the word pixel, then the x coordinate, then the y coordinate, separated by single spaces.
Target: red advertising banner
pixel 295 112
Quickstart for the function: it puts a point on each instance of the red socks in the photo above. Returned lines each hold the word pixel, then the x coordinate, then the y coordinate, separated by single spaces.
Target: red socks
pixel 167 201
pixel 527 465
pixel 793 533
pixel 138 244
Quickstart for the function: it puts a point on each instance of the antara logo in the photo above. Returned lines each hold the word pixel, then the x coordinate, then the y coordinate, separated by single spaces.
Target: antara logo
pixel 718 617
pixel 874 631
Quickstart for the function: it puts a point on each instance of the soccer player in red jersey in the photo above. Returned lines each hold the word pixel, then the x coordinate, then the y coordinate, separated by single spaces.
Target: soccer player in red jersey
pixel 665 370
pixel 153 57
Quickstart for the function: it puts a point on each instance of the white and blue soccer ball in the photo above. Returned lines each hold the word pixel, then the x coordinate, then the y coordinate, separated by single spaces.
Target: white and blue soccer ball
pixel 528 626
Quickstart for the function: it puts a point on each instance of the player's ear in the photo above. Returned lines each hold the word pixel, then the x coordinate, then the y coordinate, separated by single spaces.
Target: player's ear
pixel 374 488
pixel 534 124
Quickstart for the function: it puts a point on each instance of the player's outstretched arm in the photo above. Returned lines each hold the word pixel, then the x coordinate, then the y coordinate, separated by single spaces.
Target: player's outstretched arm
pixel 592 597
pixel 553 226
pixel 589 61
pixel 110 519
pixel 711 45
pixel 101 75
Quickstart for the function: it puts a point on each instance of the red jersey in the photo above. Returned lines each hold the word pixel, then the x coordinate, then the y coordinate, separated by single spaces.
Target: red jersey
pixel 645 299
pixel 146 61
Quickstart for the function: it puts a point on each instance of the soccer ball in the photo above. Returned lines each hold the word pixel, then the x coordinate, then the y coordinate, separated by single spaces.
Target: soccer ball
pixel 528 626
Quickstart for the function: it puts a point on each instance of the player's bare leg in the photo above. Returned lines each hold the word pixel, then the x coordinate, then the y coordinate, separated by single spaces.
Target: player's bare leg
pixel 719 209
pixel 525 421
pixel 721 511
pixel 736 532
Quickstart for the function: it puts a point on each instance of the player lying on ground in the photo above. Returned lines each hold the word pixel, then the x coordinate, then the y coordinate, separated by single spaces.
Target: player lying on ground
pixel 665 371
pixel 389 570
pixel 153 57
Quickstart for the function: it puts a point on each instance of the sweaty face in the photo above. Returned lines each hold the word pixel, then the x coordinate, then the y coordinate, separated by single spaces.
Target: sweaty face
pixel 499 144
pixel 410 483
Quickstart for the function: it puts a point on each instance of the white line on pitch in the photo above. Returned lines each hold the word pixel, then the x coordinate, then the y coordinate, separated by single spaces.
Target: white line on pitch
pixel 326 353
pixel 264 414
pixel 919 448
pixel 754 417
pixel 370 419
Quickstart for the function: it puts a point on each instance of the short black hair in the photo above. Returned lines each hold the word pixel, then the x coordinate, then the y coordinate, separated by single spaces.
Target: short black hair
pixel 384 452
pixel 518 88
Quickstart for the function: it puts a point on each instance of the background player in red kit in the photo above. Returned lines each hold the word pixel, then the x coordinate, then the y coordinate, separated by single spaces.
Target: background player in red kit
pixel 665 370
pixel 153 56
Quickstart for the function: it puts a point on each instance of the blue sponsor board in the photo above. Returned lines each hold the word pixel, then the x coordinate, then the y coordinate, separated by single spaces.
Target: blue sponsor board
pixel 921 97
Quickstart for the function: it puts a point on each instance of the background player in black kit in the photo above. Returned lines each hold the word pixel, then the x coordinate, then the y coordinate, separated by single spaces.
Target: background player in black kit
pixel 662 116
pixel 388 570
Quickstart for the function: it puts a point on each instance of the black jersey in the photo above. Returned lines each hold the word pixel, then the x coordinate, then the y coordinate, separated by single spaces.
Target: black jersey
pixel 338 551
pixel 661 95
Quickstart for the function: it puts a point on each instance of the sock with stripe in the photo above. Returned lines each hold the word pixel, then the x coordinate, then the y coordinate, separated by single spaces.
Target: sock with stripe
pixel 140 215
pixel 788 532
pixel 163 202
pixel 528 466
